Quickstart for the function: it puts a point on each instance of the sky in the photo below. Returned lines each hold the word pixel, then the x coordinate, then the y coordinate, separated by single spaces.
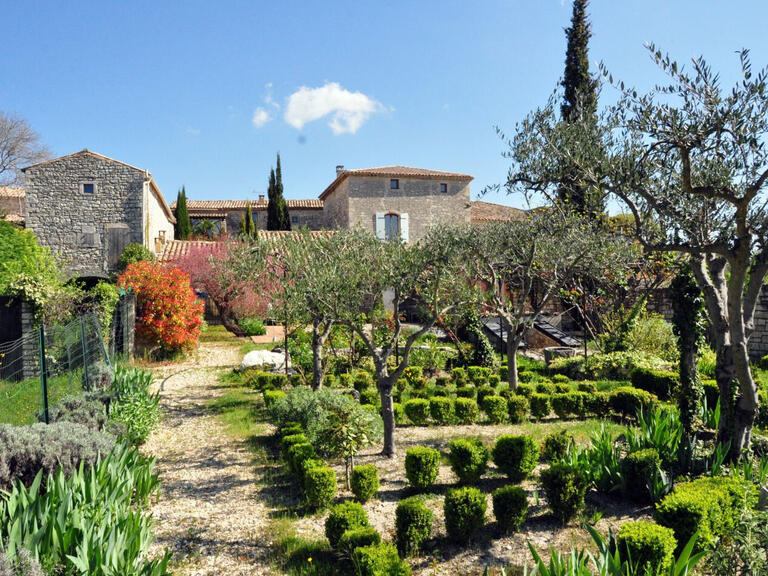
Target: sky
pixel 205 94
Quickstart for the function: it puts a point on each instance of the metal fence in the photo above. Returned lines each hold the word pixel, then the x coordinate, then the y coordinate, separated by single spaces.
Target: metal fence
pixel 50 362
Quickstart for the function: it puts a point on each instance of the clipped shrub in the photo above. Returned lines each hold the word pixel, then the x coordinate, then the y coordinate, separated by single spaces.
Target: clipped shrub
pixel 510 505
pixel 290 428
pixel 518 407
pixel 541 405
pixel 495 407
pixel 464 513
pixel 524 390
pixel 526 376
pixel 569 404
pixel 330 381
pixel 650 546
pixel 466 392
pixel 598 403
pixel 545 388
pixel 560 379
pixel 305 466
pixel 437 392
pixel 483 392
pixel 661 383
pixel 442 381
pixel 362 381
pixel 516 456
pixel 413 525
pixel 478 375
pixel 370 396
pixel 441 410
pixel 459 376
pixel 421 466
pixel 319 487
pixel 272 396
pixel 298 453
pixel 287 441
pixel 556 445
pixel 564 487
pixel 417 411
pixel 709 505
pixel 379 560
pixel 627 401
pixel 586 386
pixel 637 469
pixel 25 450
pixel 343 517
pixel 400 417
pixel 466 410
pixel 562 388
pixel 364 482
pixel 468 458
pixel 358 538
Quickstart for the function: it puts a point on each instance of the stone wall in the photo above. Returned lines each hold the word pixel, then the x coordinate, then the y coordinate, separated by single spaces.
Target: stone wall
pixel 420 198
pixel 157 227
pixel 74 223
pixel 336 207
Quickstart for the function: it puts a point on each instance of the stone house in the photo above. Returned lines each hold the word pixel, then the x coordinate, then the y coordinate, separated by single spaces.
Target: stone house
pixel 12 204
pixel 88 207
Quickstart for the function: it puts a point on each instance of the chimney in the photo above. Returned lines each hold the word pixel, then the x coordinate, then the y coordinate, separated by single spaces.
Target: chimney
pixel 261 198
pixel 339 169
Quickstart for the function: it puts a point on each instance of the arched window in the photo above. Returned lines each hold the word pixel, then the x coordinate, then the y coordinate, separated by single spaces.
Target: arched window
pixel 391 226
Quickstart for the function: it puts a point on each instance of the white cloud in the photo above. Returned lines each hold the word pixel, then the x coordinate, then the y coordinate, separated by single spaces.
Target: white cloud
pixel 268 99
pixel 260 117
pixel 347 110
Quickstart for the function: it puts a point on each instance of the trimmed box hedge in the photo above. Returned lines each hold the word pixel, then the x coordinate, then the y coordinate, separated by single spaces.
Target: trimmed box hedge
pixel 421 466
pixel 417 410
pixel 650 547
pixel 464 513
pixel 468 458
pixel 364 482
pixel 466 410
pixel 510 506
pixel 343 517
pixel 515 455
pixel 413 525
pixel 662 383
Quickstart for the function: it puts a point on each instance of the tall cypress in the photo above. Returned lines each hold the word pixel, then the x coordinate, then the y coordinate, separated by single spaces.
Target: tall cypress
pixel 183 225
pixel 247 225
pixel 579 105
pixel 277 209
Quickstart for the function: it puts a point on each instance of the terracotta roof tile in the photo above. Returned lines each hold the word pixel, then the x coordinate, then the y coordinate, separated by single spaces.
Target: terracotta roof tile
pixel 489 212
pixel 11 192
pixel 393 172
pixel 258 205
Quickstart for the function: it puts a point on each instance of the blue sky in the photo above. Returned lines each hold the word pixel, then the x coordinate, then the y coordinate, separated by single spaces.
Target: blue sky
pixel 205 93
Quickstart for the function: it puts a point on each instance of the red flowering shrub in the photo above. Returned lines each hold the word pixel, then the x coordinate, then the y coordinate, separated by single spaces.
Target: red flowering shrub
pixel 169 313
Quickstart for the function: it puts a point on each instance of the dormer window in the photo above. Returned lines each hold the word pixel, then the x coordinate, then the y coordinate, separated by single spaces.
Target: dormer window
pixel 394 184
pixel 88 187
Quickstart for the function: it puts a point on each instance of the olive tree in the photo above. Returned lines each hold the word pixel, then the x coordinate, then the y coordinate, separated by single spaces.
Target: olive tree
pixel 525 264
pixel 688 161
pixel 368 281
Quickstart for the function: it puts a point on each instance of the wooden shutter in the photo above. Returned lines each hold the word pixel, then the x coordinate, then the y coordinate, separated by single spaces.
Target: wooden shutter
pixel 381 232
pixel 404 234
pixel 118 240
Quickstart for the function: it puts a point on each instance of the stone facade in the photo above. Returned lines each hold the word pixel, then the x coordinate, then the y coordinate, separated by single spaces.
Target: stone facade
pixel 226 215
pixel 87 207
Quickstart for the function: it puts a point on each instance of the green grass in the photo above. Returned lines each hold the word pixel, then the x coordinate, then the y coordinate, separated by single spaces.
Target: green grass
pixel 20 402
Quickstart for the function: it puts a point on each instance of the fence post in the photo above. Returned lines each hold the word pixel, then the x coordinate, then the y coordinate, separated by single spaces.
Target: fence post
pixel 43 372
pixel 85 355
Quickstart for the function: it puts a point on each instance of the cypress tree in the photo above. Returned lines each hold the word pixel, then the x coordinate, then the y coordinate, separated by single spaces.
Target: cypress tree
pixel 277 210
pixel 247 225
pixel 579 105
pixel 183 225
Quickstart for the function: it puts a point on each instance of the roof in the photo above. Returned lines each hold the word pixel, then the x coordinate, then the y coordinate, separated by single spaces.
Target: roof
pixel 222 205
pixel 12 200
pixel 14 219
pixel 11 192
pixel 147 176
pixel 480 212
pixel 393 172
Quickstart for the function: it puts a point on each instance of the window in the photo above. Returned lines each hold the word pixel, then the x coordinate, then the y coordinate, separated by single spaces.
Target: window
pixel 444 188
pixel 88 187
pixel 394 184
pixel 391 226
pixel 294 219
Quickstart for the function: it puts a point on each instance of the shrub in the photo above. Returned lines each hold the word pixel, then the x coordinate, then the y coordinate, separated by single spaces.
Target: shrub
pixel 319 487
pixel 413 525
pixel 171 315
pixel 370 396
pixel 134 252
pixel 466 410
pixel 562 388
pixel 495 407
pixel 298 453
pixel 458 376
pixel 526 376
pixel 343 517
pixel 330 381
pixel 709 505
pixel 598 403
pixel 414 375
pixel 441 409
pixel 253 326
pixel 442 381
pixel 421 466
pixel 556 445
pixel 627 401
pixel 464 513
pixel 417 411
pixel 494 380
pixel 518 409
pixel 545 388
pixel 82 409
pixel 524 390
pixel 466 392
pixel 540 405
pixel 379 560
pixel 468 458
pixel 287 441
pixel 711 393
pixel 305 466
pixel 516 456
pixel 510 505
pixel 26 450
pixel 764 362
pixel 272 396
pixel 399 411
pixel 478 375
pixel 362 381
pixel 637 469
pixel 649 546
pixel 290 428
pixel 564 487
pixel 565 405
pixel 358 538
pixel 586 386
pixel 482 392
pixel 364 482
pixel 662 383
pixel 560 379
pixel 437 392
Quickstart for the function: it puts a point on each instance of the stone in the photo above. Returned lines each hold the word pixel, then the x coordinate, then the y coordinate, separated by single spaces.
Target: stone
pixel 762 499
pixel 264 360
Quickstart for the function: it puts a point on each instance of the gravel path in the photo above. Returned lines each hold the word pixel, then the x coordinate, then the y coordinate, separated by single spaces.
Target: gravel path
pixel 208 514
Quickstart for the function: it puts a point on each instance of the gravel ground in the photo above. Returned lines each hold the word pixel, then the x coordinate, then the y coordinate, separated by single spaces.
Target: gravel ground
pixel 208 514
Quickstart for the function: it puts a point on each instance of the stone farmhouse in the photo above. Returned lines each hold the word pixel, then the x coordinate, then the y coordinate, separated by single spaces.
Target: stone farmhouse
pixel 87 207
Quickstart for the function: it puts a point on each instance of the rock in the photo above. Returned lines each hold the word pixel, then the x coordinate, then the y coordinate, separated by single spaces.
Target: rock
pixel 762 499
pixel 264 360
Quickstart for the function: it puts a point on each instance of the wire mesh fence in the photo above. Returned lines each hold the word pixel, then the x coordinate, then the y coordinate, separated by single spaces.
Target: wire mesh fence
pixel 48 363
